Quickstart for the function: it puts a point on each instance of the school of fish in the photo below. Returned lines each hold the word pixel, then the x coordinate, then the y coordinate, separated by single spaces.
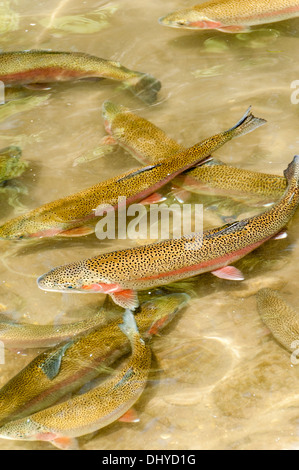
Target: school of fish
pixel 35 404
pixel 76 214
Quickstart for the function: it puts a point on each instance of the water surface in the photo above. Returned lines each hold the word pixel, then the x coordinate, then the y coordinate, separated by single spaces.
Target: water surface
pixel 219 379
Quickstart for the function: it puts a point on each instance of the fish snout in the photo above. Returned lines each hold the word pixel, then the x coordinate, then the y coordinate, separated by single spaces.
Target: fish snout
pixel 182 19
pixel 7 234
pixel 44 283
pixel 174 23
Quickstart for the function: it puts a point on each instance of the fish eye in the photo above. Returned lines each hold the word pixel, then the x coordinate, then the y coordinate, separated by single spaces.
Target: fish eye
pixel 69 287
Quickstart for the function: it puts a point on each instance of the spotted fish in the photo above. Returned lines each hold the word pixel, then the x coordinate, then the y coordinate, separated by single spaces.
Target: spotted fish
pixel 149 144
pixel 281 319
pixel 145 141
pixel 229 180
pixel 122 273
pixel 37 67
pixel 25 335
pixel 75 214
pixel 231 16
pixel 91 411
pixel 64 369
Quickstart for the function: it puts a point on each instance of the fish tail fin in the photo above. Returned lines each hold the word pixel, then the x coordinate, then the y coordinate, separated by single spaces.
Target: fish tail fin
pixel 144 86
pixel 292 170
pixel 129 326
pixel 246 124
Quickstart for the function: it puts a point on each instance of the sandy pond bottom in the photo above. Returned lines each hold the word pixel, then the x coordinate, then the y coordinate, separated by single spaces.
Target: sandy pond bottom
pixel 219 380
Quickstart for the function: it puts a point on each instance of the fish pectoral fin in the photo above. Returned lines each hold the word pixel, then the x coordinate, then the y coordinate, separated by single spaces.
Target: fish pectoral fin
pixel 108 140
pixel 130 416
pixel 230 273
pixel 280 235
pixel 38 86
pixel 65 443
pixel 106 146
pixel 153 199
pixel 51 365
pixel 126 299
pixel 77 232
pixel 235 29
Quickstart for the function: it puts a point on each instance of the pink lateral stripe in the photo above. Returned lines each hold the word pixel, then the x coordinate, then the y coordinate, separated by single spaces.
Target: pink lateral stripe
pixel 209 264
pixel 49 74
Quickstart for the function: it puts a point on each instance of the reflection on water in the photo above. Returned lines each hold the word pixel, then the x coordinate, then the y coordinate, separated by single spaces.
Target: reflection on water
pixel 219 379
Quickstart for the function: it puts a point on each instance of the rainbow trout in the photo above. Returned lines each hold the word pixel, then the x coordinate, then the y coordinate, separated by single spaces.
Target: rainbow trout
pixel 74 214
pixel 122 273
pixel 37 67
pixel 149 144
pixel 145 141
pixel 67 367
pixel 10 164
pixel 26 335
pixel 281 319
pixel 93 410
pixel 229 180
pixel 231 16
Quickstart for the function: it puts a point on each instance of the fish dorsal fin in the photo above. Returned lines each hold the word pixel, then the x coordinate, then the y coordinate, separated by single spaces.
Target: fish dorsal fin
pixel 138 172
pixel 225 228
pixel 212 162
pixel 52 363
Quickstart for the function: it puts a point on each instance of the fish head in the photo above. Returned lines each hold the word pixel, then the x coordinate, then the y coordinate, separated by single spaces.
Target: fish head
pixel 24 228
pixel 163 309
pixel 21 429
pixel 63 279
pixel 14 230
pixel 109 112
pixel 77 278
pixel 189 19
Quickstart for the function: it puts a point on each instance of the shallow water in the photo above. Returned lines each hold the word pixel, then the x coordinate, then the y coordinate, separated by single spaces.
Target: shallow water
pixel 219 379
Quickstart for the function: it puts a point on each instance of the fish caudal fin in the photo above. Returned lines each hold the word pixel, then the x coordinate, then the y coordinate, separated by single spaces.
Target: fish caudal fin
pixel 246 124
pixel 292 170
pixel 144 87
